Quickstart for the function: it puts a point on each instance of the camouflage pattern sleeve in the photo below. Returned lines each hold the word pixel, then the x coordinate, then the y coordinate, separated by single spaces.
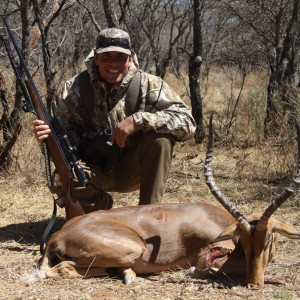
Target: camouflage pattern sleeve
pixel 162 110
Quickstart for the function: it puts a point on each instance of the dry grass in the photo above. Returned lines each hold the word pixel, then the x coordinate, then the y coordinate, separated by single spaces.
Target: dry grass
pixel 250 176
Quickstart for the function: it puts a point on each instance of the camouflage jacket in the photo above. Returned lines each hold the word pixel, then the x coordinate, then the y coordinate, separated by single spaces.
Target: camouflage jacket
pixel 160 108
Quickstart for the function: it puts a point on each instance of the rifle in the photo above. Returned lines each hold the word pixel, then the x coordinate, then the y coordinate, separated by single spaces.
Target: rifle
pixel 62 153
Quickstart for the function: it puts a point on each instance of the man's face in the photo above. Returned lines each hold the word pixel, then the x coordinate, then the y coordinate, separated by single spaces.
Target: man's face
pixel 112 66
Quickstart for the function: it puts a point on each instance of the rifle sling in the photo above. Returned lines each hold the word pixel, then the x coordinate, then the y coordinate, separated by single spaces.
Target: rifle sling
pixel 48 228
pixel 86 91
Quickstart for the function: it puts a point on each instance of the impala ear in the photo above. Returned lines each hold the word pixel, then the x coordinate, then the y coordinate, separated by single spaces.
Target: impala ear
pixel 286 230
pixel 229 233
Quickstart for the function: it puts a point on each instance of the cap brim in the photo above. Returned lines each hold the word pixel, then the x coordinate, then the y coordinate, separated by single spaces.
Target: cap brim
pixel 114 48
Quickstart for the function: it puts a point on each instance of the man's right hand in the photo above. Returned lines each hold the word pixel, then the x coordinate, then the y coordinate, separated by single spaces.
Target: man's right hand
pixel 122 131
pixel 41 130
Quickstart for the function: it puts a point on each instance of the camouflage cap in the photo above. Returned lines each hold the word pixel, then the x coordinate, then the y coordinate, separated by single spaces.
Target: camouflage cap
pixel 113 39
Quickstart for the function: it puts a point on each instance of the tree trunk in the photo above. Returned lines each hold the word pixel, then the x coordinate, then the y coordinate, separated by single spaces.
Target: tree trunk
pixel 284 78
pixel 110 14
pixel 194 72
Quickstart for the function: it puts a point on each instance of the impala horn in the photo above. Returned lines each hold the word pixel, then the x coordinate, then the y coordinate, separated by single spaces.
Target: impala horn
pixel 227 204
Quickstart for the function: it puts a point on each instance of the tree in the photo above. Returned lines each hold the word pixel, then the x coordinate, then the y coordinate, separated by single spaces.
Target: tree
pixel 10 133
pixel 194 71
pixel 110 14
pixel 11 122
pixel 276 25
pixel 156 26
pixel 44 26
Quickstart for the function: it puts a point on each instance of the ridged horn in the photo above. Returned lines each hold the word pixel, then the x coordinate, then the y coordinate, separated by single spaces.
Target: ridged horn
pixel 208 173
pixel 287 193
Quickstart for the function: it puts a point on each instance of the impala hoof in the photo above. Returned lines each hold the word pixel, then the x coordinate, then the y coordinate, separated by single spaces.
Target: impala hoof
pixel 191 271
pixel 128 280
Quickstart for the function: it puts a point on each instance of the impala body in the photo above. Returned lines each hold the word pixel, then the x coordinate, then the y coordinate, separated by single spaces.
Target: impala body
pixel 140 239
pixel 153 238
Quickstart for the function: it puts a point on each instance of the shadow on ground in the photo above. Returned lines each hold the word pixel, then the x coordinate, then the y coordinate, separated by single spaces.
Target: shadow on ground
pixel 28 233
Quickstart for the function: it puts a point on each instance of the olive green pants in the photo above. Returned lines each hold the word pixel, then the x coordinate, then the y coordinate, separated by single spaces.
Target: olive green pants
pixel 144 166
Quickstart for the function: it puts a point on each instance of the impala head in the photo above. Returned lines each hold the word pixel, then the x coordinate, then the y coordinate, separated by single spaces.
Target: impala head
pixel 258 233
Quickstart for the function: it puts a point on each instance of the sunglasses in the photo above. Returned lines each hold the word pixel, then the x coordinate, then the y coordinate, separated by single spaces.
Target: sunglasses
pixel 117 42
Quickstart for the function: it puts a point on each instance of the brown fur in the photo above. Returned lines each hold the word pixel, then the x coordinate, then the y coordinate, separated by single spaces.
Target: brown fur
pixel 149 239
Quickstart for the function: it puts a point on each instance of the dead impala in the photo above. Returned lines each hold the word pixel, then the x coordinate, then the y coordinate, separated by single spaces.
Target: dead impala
pixel 153 238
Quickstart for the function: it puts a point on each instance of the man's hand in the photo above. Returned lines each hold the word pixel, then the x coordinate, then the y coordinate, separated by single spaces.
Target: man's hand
pixel 122 131
pixel 41 130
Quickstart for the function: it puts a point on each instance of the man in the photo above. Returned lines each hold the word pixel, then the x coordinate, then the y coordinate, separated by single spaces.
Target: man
pixel 142 139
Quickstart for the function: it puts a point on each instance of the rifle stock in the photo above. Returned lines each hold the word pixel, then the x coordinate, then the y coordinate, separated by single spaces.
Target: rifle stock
pixel 73 208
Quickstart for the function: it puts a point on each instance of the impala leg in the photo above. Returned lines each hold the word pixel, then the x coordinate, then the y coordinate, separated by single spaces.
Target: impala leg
pixel 68 269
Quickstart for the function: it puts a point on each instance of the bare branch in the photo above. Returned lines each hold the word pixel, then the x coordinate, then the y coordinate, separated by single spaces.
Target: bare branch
pixel 91 15
pixel 56 9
